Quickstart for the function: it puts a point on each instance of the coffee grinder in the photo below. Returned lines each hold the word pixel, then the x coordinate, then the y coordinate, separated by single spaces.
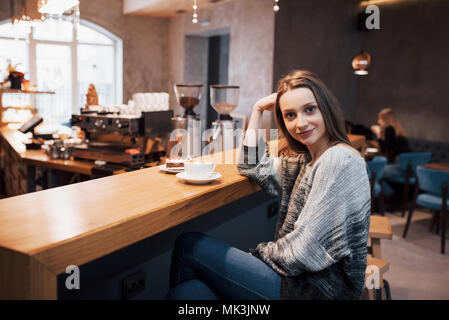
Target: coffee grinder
pixel 188 96
pixel 224 99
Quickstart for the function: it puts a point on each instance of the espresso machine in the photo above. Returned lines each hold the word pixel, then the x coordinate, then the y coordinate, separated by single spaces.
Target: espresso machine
pixel 224 99
pixel 122 138
pixel 187 128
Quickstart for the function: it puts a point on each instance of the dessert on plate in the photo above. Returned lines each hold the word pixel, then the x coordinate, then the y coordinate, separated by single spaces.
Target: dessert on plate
pixel 175 163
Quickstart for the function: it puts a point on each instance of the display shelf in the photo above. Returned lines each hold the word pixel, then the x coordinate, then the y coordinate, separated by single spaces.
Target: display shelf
pixel 18 107
pixel 24 107
pixel 25 91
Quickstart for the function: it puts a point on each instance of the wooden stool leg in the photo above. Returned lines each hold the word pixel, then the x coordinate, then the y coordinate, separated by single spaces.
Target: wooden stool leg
pixel 375 245
pixel 379 293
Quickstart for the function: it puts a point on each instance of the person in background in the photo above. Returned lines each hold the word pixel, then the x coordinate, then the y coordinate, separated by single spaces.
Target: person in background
pixel 320 245
pixel 390 135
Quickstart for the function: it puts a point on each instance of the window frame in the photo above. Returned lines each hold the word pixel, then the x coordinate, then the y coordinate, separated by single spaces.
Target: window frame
pixel 117 44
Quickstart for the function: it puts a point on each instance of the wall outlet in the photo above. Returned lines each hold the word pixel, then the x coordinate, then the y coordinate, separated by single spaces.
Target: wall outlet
pixel 133 285
pixel 273 209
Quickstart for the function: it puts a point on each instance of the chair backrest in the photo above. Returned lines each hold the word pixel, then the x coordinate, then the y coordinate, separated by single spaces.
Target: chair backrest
pixel 414 158
pixel 431 180
pixel 377 164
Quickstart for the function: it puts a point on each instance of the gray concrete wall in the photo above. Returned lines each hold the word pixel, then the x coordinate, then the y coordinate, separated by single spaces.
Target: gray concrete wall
pixel 251 27
pixel 410 68
pixel 4 10
pixel 145 45
pixel 320 36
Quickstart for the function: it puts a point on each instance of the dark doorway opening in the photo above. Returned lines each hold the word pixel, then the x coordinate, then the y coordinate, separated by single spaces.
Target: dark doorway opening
pixel 217 69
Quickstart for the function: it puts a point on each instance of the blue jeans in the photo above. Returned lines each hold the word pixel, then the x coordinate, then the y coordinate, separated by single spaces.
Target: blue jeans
pixel 204 268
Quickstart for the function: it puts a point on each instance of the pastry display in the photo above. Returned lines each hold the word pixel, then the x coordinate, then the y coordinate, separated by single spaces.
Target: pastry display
pixel 91 96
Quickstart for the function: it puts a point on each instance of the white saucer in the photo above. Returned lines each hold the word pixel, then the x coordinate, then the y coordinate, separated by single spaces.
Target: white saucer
pixel 163 167
pixel 212 177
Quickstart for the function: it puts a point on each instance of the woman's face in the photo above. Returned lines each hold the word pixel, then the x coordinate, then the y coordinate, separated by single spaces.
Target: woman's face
pixel 302 117
pixel 381 122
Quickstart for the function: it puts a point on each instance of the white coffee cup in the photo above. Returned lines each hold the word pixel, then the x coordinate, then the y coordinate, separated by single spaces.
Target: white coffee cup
pixel 200 170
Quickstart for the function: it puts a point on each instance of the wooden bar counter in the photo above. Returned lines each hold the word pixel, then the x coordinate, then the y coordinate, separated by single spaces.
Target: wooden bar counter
pixel 42 233
pixel 19 163
pixel 15 140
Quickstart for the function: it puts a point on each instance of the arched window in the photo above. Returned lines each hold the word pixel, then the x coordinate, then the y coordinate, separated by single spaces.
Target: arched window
pixel 57 57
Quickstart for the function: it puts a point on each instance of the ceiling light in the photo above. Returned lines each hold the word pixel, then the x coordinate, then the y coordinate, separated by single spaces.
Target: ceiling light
pixel 361 63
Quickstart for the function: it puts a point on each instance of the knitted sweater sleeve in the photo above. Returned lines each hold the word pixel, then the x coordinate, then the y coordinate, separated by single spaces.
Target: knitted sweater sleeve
pixel 339 189
pixel 261 167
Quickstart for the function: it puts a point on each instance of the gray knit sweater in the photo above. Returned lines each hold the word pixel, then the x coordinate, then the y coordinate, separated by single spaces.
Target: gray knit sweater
pixel 320 244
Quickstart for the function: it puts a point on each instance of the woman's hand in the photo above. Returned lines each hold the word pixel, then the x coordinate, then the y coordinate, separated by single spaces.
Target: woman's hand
pixel 266 103
pixel 376 130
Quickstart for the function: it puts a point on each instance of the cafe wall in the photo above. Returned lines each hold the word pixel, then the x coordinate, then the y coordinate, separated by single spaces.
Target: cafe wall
pixel 145 45
pixel 410 68
pixel 4 10
pixel 320 36
pixel 250 24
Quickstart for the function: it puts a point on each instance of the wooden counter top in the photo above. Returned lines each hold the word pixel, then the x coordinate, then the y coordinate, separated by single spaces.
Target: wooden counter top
pixel 72 225
pixel 78 223
pixel 42 233
pixel 16 139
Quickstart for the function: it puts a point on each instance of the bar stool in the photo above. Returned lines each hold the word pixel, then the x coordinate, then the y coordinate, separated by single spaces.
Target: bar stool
pixel 434 183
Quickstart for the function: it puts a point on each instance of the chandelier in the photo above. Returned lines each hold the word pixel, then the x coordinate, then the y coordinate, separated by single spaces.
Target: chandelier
pixel 60 8
pixel 33 12
pixel 27 15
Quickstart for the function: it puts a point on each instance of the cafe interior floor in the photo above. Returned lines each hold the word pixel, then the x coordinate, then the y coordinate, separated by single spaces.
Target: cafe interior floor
pixel 417 269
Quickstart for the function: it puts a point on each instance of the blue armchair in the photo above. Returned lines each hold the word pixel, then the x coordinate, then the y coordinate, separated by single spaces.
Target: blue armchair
pixel 434 183
pixel 404 172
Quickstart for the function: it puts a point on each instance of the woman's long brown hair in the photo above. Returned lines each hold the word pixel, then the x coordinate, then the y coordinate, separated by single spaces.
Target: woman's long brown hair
pixel 327 103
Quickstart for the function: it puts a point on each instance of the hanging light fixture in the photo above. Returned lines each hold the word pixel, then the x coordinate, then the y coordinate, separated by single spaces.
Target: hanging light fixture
pixel 361 63
pixel 276 6
pixel 29 15
pixel 59 8
pixel 195 14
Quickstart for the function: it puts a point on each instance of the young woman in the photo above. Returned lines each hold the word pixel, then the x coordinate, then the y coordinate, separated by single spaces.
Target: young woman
pixel 390 134
pixel 320 246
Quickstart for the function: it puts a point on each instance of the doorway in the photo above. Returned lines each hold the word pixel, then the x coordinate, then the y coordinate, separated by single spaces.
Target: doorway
pixel 207 62
pixel 217 69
